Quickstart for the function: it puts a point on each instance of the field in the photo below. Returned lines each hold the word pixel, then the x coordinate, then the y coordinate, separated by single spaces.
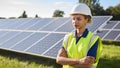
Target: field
pixel 110 59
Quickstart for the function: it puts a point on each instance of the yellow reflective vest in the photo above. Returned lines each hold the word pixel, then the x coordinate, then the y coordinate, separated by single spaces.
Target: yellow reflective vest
pixel 80 49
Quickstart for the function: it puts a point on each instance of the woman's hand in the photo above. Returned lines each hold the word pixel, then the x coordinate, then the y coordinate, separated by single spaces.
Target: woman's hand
pixel 85 62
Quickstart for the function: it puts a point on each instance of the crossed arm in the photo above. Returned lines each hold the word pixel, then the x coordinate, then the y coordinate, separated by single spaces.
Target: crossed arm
pixel 85 62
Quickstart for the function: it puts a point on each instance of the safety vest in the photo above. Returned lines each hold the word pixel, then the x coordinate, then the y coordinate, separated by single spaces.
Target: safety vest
pixel 80 49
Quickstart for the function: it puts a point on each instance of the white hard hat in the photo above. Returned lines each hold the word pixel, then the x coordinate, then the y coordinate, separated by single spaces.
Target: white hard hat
pixel 81 8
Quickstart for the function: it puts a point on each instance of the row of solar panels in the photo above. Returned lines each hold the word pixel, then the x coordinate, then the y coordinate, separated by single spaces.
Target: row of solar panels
pixel 48 24
pixel 43 36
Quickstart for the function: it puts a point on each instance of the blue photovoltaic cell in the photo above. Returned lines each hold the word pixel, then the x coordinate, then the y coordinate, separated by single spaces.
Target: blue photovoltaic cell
pixel 112 35
pixel 118 39
pixel 97 22
pixel 7 36
pixel 28 24
pixel 102 33
pixel 110 25
pixel 45 44
pixel 117 27
pixel 55 24
pixel 15 39
pixel 4 25
pixel 19 23
pixel 2 33
pixel 66 27
pixel 53 52
pixel 41 23
pixel 29 41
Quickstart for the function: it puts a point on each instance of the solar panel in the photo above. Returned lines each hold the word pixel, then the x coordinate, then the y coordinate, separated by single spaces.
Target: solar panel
pixel 41 23
pixel 97 22
pixel 67 27
pixel 54 25
pixel 102 33
pixel 110 31
pixel 54 50
pixel 7 36
pixel 42 36
pixel 118 38
pixel 112 35
pixel 118 26
pixel 110 25
pixel 10 42
pixel 45 44
pixel 29 40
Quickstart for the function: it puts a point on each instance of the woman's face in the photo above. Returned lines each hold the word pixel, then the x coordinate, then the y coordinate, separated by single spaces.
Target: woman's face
pixel 79 21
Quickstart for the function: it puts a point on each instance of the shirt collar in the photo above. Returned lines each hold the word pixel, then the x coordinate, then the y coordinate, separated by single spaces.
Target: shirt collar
pixel 85 33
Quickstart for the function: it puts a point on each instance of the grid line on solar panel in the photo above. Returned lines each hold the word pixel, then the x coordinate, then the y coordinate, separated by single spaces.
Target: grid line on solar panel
pixel 11 30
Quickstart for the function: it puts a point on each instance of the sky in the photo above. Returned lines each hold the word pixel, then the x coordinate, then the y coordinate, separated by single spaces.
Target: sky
pixel 43 8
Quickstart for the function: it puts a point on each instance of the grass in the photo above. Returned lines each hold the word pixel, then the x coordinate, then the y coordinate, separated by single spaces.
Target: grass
pixel 110 58
pixel 6 62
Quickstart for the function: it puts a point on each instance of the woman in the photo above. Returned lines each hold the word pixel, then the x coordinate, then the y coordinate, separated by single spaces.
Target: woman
pixel 81 49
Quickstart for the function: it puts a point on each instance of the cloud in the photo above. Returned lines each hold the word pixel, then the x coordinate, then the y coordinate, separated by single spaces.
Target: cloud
pixel 64 4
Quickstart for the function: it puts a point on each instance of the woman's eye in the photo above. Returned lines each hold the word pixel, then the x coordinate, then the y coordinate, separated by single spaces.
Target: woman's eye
pixel 78 19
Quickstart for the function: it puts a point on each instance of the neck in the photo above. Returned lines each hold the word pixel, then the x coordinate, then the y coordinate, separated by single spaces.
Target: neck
pixel 80 31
